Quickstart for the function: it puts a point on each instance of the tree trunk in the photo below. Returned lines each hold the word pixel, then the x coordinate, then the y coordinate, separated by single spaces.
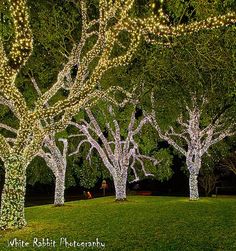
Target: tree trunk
pixel 59 188
pixel 120 186
pixel 193 185
pixel 13 195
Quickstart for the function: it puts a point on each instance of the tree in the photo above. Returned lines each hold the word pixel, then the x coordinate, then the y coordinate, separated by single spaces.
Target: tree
pixel 118 152
pixel 196 140
pixel 211 172
pixel 56 161
pixel 86 64
pixel 208 180
pixel 55 25
pixel 54 158
pixel 82 88
pixel 230 163
pixel 200 66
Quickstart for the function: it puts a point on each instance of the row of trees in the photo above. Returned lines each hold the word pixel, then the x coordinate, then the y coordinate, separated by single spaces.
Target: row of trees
pixel 109 37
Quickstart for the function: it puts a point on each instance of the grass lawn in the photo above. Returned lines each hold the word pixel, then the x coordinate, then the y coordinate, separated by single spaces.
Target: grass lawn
pixel 142 223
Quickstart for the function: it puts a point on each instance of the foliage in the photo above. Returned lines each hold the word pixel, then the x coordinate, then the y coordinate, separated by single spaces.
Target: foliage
pixel 55 25
pixel 88 172
pixel 164 171
pixel 204 67
pixel 39 172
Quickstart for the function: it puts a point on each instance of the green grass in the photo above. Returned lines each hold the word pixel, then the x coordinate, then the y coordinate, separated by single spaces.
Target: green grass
pixel 142 223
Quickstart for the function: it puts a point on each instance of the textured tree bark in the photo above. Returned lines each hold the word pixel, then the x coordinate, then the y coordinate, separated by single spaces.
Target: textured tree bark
pixel 59 189
pixel 120 186
pixel 13 195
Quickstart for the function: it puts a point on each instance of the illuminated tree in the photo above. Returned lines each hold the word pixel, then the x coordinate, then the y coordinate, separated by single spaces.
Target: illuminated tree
pixel 118 153
pixel 86 64
pixel 53 156
pixel 82 90
pixel 193 141
pixel 56 161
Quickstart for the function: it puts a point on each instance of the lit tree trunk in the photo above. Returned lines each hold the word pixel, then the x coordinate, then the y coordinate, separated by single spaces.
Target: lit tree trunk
pixel 194 164
pixel 59 188
pixel 13 195
pixel 120 186
pixel 57 162
pixel 193 183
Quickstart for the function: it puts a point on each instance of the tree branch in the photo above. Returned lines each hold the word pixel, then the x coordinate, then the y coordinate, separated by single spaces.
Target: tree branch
pixel 23 40
pixel 11 129
pixel 5 149
pixel 164 30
